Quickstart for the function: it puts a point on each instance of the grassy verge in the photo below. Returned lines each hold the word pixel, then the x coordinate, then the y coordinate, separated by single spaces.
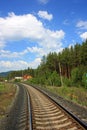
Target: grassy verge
pixel 77 95
pixel 7 93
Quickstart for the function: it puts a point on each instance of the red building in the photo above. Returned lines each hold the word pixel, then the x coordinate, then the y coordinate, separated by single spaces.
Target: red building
pixel 27 77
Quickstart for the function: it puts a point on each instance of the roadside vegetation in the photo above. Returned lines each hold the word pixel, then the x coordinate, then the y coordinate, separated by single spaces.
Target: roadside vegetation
pixel 74 94
pixel 7 93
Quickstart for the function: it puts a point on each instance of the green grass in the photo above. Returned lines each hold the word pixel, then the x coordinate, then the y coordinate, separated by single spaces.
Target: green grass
pixel 75 94
pixel 6 87
pixel 7 93
pixel 1 87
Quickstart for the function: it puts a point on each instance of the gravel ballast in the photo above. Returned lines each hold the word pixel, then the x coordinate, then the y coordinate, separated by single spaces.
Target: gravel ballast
pixel 76 109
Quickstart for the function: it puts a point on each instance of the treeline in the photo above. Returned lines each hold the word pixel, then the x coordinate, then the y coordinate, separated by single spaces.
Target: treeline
pixel 20 73
pixel 68 68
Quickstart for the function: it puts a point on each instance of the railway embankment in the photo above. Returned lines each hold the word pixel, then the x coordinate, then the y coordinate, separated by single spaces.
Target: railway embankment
pixel 76 109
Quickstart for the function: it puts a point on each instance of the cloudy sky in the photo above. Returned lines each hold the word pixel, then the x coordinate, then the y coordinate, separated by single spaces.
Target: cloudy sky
pixel 30 29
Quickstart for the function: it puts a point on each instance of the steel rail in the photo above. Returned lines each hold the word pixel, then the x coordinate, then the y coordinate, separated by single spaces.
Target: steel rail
pixel 83 124
pixel 29 110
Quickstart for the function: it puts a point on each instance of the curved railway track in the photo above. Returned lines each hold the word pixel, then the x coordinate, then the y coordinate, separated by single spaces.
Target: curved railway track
pixel 34 110
pixel 18 116
pixel 47 115
pixel 24 118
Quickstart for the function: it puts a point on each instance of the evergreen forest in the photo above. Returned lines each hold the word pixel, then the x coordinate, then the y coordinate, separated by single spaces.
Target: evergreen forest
pixel 66 68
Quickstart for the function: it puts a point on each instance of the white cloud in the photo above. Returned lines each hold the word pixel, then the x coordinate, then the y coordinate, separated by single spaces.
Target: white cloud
pixel 35 63
pixel 2 44
pixel 15 65
pixel 18 65
pixel 52 40
pixel 66 22
pixel 72 44
pixel 43 1
pixel 82 24
pixel 39 51
pixel 84 35
pixel 27 26
pixel 18 27
pixel 45 15
pixel 9 54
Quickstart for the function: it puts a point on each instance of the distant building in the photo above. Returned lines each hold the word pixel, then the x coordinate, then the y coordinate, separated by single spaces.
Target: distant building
pixel 6 80
pixel 19 78
pixel 27 77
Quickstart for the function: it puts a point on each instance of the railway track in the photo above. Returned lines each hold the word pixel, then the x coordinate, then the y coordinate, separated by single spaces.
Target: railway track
pixel 18 117
pixel 24 118
pixel 45 114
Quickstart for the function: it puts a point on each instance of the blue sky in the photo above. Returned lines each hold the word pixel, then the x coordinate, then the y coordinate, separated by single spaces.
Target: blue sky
pixel 30 29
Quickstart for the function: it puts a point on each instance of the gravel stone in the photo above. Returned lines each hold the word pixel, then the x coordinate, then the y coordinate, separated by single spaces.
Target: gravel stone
pixel 76 109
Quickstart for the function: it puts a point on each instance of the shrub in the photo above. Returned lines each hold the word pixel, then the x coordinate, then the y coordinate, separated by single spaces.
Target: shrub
pixel 67 82
pixel 84 80
pixel 76 77
pixel 54 79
